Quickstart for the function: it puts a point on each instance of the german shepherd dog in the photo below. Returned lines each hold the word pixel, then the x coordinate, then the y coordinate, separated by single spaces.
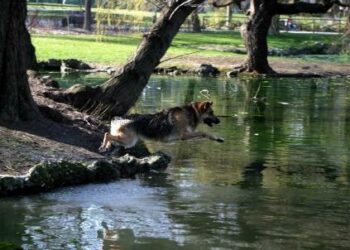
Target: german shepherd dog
pixel 178 123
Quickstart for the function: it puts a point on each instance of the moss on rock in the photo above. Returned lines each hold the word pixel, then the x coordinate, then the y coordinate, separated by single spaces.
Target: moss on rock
pixel 46 176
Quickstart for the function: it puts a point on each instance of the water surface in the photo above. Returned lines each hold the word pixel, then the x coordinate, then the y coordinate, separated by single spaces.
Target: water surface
pixel 281 180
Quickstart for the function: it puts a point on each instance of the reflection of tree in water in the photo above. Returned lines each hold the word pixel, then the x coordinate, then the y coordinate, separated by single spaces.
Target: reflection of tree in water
pixel 254 108
pixel 12 217
pixel 189 95
pixel 35 226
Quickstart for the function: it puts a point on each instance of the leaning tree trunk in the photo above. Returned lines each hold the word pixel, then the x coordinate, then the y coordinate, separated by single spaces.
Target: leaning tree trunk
pixel 119 94
pixel 88 15
pixel 255 36
pixel 16 102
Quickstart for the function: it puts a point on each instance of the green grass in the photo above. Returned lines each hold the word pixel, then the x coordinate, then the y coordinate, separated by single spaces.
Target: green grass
pixel 116 49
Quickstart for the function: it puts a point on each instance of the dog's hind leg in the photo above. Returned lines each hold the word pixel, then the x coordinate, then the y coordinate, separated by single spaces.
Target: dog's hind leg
pixel 106 143
pixel 125 138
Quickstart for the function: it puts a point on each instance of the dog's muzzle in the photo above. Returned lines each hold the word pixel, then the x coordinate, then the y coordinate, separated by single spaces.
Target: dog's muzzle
pixel 211 120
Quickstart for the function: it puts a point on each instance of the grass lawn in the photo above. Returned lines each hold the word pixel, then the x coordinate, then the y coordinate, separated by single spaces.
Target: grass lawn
pixel 116 49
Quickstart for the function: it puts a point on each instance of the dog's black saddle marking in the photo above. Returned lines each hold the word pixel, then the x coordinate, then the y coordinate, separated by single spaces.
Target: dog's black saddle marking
pixel 154 126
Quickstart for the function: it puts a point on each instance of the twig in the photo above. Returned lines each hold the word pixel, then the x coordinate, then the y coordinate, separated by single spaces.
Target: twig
pixel 171 58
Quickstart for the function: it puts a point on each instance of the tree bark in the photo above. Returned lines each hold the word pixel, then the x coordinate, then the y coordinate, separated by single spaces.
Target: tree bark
pixel 16 102
pixel 88 15
pixel 275 25
pixel 347 31
pixel 229 16
pixel 256 36
pixel 31 62
pixel 119 94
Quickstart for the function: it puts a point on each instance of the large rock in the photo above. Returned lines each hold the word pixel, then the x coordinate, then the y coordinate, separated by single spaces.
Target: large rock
pixel 46 176
pixel 51 64
pixel 56 64
pixel 207 70
pixel 76 64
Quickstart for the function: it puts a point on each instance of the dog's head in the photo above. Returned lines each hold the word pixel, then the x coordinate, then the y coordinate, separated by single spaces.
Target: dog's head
pixel 206 113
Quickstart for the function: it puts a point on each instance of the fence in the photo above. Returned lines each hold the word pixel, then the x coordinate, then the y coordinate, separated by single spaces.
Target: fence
pixel 53 19
pixel 309 24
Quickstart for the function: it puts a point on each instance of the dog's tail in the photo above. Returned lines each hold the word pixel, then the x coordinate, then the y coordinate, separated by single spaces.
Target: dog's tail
pixel 118 122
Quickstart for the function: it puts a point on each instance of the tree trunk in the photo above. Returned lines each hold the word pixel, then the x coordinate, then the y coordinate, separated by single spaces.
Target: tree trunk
pixel 31 62
pixel 229 16
pixel 88 15
pixel 119 94
pixel 275 25
pixel 347 31
pixel 16 102
pixel 196 25
pixel 256 36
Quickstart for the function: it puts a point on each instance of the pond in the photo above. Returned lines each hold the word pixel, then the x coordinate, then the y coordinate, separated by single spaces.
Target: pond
pixel 281 179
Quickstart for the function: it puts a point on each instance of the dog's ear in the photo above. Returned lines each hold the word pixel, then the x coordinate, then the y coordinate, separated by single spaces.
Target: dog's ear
pixel 207 105
pixel 201 107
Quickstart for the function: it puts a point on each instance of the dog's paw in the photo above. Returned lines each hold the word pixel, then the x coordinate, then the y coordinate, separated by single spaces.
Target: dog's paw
pixel 220 139
pixel 102 150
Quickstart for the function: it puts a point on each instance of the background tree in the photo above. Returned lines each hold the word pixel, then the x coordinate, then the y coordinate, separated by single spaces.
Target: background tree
pixel 88 15
pixel 229 15
pixel 196 24
pixel 255 34
pixel 275 25
pixel 16 55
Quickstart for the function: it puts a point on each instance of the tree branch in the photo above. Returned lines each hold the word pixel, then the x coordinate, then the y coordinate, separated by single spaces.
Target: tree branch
pixel 302 7
pixel 187 3
pixel 218 5
pixel 171 58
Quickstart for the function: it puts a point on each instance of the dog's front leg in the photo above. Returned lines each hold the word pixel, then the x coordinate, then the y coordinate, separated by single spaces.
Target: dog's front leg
pixel 199 135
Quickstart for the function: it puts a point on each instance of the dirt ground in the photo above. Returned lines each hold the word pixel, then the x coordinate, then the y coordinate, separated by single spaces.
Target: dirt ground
pixel 280 65
pixel 77 137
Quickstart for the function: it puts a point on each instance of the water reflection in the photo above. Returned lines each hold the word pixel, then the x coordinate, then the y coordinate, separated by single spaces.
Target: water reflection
pixel 280 180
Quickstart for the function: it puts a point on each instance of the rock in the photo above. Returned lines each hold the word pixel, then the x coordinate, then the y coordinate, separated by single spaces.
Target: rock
pixel 167 71
pixel 241 51
pixel 46 176
pixel 10 184
pixel 104 171
pixel 52 83
pixel 76 64
pixel 110 70
pixel 66 64
pixel 139 150
pixel 207 70
pixel 232 73
pixel 51 64
pixel 130 165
